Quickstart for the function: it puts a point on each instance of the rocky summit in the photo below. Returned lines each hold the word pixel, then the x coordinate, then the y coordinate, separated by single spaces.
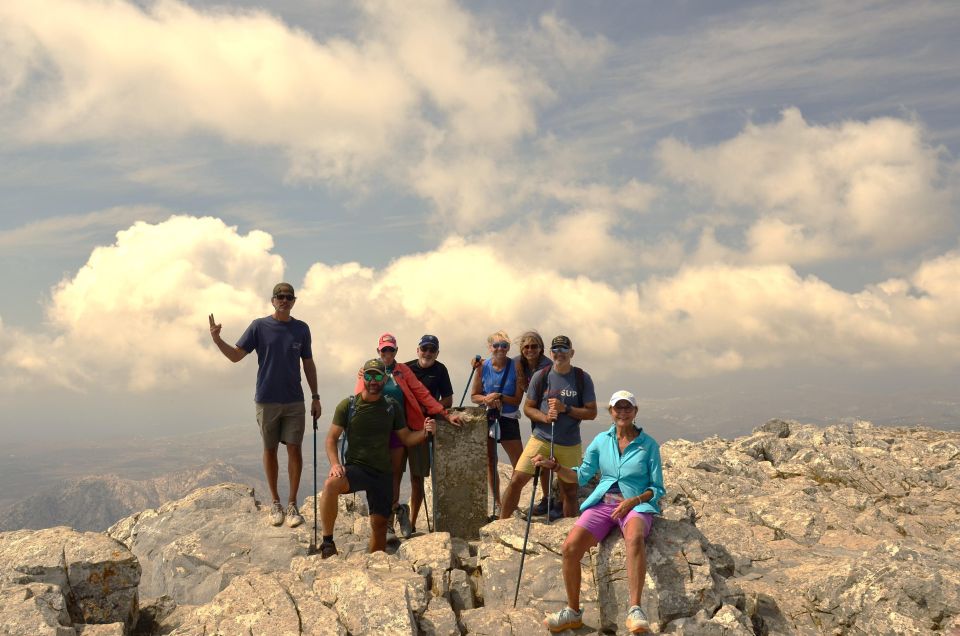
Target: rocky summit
pixel 794 529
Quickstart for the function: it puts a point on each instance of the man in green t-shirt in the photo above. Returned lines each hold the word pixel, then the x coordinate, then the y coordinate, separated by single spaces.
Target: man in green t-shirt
pixel 367 460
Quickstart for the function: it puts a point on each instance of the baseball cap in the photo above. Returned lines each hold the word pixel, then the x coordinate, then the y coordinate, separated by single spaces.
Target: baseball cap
pixel 561 341
pixel 281 288
pixel 427 339
pixel 374 364
pixel 387 340
pixel 623 395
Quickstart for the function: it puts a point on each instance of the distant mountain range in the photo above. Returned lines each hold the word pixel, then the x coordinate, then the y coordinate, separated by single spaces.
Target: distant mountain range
pixel 95 502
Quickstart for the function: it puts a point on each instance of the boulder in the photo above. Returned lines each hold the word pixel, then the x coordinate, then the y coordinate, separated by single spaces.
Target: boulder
pixel 34 609
pixel 491 621
pixel 96 575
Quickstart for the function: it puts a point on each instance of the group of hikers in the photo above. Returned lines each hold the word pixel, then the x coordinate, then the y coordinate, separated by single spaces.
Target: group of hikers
pixel 395 408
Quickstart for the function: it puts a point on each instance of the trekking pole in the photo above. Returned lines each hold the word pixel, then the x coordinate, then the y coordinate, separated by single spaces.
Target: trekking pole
pixel 313 544
pixel 469 380
pixel 433 485
pixel 550 475
pixel 526 535
pixel 496 472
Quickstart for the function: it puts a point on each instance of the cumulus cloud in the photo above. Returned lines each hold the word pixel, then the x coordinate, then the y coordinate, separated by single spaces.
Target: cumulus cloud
pixel 814 193
pixel 135 314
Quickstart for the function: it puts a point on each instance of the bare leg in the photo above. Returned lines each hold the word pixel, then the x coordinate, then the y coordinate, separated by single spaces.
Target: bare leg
pixel 569 492
pixel 574 547
pixel 511 496
pixel 636 557
pixel 294 469
pixel 333 487
pixel 398 457
pixel 271 469
pixel 416 497
pixel 514 449
pixel 378 533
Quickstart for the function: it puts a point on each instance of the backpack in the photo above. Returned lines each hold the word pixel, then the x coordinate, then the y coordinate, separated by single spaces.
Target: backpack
pixel 541 384
pixel 350 411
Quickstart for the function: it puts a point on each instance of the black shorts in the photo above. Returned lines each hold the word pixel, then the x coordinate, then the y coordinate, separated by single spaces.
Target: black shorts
pixel 378 486
pixel 509 429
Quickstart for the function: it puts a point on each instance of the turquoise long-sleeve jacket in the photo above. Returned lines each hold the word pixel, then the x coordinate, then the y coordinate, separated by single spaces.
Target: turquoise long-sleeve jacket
pixel 636 471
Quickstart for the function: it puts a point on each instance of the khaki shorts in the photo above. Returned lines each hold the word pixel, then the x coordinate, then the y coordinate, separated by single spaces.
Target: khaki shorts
pixel 281 423
pixel 568 456
pixel 419 457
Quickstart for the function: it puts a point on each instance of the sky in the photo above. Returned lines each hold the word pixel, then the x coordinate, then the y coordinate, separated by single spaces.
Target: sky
pixel 737 210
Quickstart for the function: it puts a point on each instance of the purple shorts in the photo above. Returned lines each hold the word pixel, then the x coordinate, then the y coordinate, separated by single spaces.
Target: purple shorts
pixel 598 522
pixel 395 440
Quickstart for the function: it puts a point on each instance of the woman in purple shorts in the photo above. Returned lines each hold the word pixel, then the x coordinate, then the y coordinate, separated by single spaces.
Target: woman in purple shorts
pixel 631 483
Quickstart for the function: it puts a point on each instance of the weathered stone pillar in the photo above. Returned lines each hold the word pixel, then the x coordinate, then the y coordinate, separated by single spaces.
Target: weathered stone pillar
pixel 459 488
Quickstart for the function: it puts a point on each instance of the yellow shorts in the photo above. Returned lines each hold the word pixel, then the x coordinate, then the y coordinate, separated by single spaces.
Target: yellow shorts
pixel 569 456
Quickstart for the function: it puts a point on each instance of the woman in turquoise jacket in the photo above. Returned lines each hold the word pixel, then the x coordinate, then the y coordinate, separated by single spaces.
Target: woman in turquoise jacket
pixel 631 483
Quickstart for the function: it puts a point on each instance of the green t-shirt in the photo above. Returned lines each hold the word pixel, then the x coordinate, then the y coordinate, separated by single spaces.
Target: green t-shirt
pixel 368 433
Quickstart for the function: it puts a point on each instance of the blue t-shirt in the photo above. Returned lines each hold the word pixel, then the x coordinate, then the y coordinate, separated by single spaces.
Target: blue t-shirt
pixel 562 386
pixel 280 345
pixel 492 379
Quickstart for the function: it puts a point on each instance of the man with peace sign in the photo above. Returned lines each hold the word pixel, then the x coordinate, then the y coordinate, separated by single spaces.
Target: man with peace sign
pixel 281 342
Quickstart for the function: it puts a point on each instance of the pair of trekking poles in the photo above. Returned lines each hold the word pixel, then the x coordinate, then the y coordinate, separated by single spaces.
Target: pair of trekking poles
pixel 533 487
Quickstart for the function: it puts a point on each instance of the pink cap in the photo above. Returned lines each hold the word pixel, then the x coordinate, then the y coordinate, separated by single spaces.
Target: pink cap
pixel 387 340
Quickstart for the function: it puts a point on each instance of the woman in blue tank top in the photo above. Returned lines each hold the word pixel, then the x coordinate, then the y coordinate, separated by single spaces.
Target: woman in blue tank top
pixel 497 389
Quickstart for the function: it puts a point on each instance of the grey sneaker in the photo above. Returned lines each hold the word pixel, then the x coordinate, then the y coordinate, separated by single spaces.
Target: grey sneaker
pixel 637 621
pixel 294 518
pixel 276 514
pixel 564 619
pixel 403 520
pixel 391 532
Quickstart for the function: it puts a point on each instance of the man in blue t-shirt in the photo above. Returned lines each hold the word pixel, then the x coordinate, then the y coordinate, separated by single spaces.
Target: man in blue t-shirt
pixel 558 399
pixel 281 342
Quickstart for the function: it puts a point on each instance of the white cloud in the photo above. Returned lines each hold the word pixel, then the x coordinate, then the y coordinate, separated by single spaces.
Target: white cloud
pixel 814 193
pixel 135 314
pixel 74 231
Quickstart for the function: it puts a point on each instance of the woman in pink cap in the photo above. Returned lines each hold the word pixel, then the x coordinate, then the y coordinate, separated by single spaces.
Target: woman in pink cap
pixel 403 386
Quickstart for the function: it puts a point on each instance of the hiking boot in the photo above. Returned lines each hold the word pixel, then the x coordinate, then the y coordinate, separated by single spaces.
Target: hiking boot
pixel 276 514
pixel 403 519
pixel 637 621
pixel 540 508
pixel 327 549
pixel 556 513
pixel 294 518
pixel 564 619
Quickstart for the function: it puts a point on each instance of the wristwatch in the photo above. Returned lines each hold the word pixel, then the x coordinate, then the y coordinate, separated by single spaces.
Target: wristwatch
pixel 316 396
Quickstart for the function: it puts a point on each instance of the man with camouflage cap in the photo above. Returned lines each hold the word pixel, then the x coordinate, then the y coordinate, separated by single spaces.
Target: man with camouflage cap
pixel 367 419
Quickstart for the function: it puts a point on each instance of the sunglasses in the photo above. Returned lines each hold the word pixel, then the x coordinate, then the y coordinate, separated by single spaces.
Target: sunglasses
pixel 560 349
pixel 429 349
pixel 501 345
pixel 530 346
pixel 373 376
pixel 387 350
pixel 289 297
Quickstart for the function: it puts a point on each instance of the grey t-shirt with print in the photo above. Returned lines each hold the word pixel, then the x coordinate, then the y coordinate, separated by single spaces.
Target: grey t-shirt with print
pixel 562 386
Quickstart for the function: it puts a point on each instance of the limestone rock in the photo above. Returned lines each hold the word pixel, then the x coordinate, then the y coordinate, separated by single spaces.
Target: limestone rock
pixel 34 609
pixel 97 575
pixel 459 475
pixel 259 603
pixel 490 621
pixel 433 552
pixel 369 592
pixel 191 548
pixel 439 619
pixel 112 629
pixel 727 621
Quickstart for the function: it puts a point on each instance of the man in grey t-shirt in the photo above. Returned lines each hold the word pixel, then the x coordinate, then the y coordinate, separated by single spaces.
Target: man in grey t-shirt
pixel 558 399
pixel 282 342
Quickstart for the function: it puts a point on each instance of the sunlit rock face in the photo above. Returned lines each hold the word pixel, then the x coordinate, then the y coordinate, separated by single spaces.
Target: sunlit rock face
pixel 794 529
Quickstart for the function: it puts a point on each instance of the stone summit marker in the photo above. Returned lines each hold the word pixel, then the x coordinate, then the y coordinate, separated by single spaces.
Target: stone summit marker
pixel 460 475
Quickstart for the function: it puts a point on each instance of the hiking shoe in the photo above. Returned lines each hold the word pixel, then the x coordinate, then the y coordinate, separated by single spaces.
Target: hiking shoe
pixel 294 518
pixel 403 519
pixel 564 619
pixel 327 549
pixel 556 513
pixel 637 621
pixel 391 532
pixel 540 508
pixel 276 514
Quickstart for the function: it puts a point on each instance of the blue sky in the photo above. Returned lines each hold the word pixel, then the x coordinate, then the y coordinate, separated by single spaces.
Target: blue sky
pixel 707 197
